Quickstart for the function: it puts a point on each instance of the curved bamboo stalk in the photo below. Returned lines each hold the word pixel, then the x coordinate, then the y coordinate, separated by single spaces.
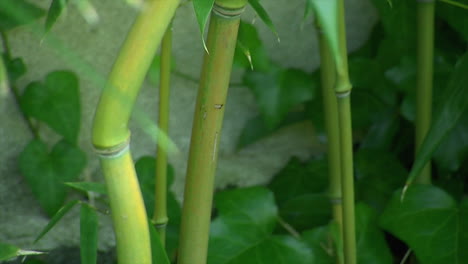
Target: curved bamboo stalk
pixel 111 135
pixel 160 218
pixel 425 54
pixel 206 131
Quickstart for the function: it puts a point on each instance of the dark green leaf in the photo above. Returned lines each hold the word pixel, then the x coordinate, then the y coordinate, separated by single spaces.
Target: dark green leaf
pixel 307 210
pixel 55 10
pixel 89 225
pixel 378 174
pixel 280 90
pixel 55 102
pixel 14 13
pixel 158 254
pixel 322 244
pixel 455 16
pixel 431 223
pixel 262 13
pixel 382 133
pixel 15 67
pixel 46 172
pixel 202 12
pixel 88 187
pixel 60 213
pixel 453 104
pixel 249 38
pixel 242 232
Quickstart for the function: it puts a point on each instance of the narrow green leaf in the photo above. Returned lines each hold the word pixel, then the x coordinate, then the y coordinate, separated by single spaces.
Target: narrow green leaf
pixel 8 251
pixel 455 3
pixel 158 253
pixel 246 52
pixel 60 213
pixel 250 44
pixel 55 102
pixel 56 8
pixel 89 225
pixel 262 13
pixel 326 12
pixel 88 186
pixel 14 13
pixel 453 104
pixel 202 12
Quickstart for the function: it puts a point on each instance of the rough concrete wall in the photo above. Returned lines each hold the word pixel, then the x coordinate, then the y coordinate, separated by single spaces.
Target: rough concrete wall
pixel 21 217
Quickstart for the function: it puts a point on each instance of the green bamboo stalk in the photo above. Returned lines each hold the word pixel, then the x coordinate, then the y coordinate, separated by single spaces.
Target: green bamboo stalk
pixel 160 218
pixel 111 136
pixel 425 56
pixel 343 93
pixel 206 131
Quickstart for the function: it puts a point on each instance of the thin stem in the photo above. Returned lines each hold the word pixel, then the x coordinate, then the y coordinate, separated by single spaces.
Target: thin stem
pixel 6 44
pixel 206 131
pixel 288 228
pixel 160 218
pixel 425 55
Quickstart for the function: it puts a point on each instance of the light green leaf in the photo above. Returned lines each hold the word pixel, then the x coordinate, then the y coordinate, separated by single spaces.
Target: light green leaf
pixel 453 103
pixel 202 12
pixel 262 13
pixel 88 186
pixel 89 224
pixel 14 13
pixel 55 102
pixel 46 172
pixel 60 213
pixel 8 251
pixel 158 253
pixel 56 8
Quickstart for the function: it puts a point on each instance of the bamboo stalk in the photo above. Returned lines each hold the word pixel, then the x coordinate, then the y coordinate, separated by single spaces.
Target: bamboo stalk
pixel 343 93
pixel 425 56
pixel 160 218
pixel 111 135
pixel 206 131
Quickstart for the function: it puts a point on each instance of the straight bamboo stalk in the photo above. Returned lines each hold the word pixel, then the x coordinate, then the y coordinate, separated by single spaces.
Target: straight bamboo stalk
pixel 425 56
pixel 111 136
pixel 160 218
pixel 343 94
pixel 206 131
pixel 327 74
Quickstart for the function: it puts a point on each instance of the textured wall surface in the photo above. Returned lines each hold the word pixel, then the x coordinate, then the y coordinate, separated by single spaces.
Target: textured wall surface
pixel 21 218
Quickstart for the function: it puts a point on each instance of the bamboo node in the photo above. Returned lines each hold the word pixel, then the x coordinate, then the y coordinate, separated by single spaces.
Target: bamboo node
pixel 336 200
pixel 227 12
pixel 218 106
pixel 114 151
pixel 160 223
pixel 343 94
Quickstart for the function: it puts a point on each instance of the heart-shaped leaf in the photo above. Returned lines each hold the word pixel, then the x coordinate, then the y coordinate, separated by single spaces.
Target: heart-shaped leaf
pixel 431 223
pixel 55 102
pixel 46 171
pixel 14 13
pixel 89 225
pixel 243 231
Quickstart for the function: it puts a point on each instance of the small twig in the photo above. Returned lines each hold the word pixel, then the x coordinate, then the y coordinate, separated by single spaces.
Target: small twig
pixel 406 256
pixel 288 228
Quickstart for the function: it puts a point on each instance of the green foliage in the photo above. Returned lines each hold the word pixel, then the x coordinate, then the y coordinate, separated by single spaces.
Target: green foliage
pixel 46 171
pixel 8 251
pixel 249 39
pixel 431 223
pixel 158 254
pixel 242 233
pixel 56 218
pixel 55 102
pixel 15 67
pixel 89 225
pixel 57 7
pixel 202 11
pixel 15 13
pixel 88 187
pixel 263 14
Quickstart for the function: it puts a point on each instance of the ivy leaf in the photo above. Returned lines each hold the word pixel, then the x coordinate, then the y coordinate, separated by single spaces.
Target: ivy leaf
pixel 278 91
pixel 88 234
pixel 453 104
pixel 202 12
pixel 8 251
pixel 56 218
pixel 55 102
pixel 14 13
pixel 431 223
pixel 56 8
pixel 243 231
pixel 146 168
pixel 45 172
pixel 262 13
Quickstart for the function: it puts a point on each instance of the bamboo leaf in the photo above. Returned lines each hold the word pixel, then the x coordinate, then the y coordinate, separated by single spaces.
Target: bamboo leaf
pixel 14 13
pixel 455 3
pixel 262 13
pixel 453 105
pixel 326 12
pixel 55 102
pixel 8 251
pixel 88 186
pixel 454 13
pixel 45 172
pixel 202 12
pixel 88 234
pixel 56 8
pixel 243 231
pixel 250 45
pixel 431 223
pixel 60 213
pixel 158 253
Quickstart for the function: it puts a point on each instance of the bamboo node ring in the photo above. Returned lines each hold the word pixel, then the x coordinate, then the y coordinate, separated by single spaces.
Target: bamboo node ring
pixel 226 12
pixel 336 200
pixel 343 94
pixel 114 151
